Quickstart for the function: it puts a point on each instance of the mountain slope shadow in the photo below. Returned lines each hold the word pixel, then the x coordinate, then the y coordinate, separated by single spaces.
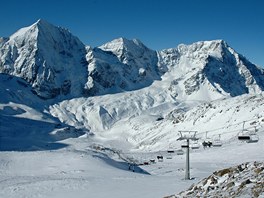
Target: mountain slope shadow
pixel 30 135
pixel 226 75
pixel 119 164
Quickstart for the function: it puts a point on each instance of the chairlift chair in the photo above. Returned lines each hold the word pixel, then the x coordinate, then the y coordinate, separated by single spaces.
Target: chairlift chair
pixel 244 135
pixel 180 152
pixel 195 145
pixel 249 137
pixel 208 140
pixel 253 138
pixel 160 158
pixel 184 144
pixel 170 150
pixel 217 142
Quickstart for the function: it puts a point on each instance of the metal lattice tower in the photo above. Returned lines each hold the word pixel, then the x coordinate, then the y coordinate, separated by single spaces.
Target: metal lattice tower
pixel 187 135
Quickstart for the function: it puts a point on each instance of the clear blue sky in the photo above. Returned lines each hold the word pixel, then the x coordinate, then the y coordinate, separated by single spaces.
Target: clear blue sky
pixel 159 24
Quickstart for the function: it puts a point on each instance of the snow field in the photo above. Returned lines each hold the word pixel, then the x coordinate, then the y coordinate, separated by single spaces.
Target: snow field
pixel 79 170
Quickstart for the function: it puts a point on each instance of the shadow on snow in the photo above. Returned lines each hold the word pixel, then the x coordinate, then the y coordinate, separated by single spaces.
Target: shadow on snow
pixel 22 134
pixel 120 164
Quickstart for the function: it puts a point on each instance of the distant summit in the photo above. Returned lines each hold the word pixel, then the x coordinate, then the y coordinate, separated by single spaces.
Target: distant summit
pixel 123 46
pixel 211 66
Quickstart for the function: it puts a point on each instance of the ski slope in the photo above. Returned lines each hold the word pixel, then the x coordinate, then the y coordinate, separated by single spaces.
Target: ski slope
pixel 80 170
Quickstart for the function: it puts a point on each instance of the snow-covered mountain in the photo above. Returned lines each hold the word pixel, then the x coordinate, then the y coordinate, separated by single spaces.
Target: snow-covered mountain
pixel 50 58
pixel 56 63
pixel 120 65
pixel 124 83
pixel 210 68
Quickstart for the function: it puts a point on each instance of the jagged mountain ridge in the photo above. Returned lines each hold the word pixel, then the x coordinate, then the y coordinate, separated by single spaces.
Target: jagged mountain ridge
pixel 120 65
pixel 213 64
pixel 57 63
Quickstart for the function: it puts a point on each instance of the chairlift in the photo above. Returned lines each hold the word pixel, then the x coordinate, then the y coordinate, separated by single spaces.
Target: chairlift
pixel 195 145
pixel 184 145
pixel 179 152
pixel 160 158
pixel 253 137
pixel 170 150
pixel 207 139
pixel 217 142
pixel 248 136
pixel 244 135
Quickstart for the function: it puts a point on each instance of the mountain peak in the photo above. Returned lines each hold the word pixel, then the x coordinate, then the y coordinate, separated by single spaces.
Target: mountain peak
pixel 123 45
pixel 39 52
pixel 204 48
pixel 31 32
pixel 212 44
pixel 41 26
pixel 42 23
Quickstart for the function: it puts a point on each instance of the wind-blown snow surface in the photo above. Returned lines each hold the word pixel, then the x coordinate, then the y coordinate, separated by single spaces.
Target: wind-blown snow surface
pixel 125 102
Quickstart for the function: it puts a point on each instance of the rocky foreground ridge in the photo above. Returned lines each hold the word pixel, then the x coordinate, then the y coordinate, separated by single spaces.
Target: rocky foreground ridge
pixel 244 180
